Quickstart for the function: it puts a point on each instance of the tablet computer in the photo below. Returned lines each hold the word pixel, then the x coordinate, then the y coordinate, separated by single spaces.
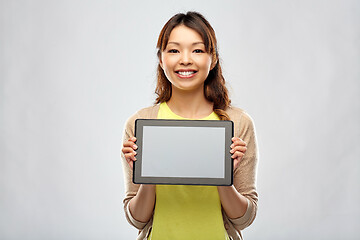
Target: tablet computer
pixel 183 152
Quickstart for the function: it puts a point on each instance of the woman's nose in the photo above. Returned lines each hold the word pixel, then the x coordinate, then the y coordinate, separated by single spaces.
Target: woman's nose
pixel 185 58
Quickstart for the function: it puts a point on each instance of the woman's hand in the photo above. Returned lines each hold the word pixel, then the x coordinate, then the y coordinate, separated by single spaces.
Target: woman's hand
pixel 238 149
pixel 128 149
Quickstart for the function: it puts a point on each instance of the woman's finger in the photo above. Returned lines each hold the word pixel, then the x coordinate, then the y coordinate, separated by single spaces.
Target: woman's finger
pixel 130 144
pixel 130 157
pixel 238 141
pixel 237 155
pixel 236 163
pixel 130 164
pixel 238 148
pixel 127 150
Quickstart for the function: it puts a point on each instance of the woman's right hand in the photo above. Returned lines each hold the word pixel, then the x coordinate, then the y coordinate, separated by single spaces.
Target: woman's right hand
pixel 128 149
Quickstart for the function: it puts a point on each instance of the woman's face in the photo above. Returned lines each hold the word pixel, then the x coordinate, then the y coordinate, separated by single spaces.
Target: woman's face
pixel 185 61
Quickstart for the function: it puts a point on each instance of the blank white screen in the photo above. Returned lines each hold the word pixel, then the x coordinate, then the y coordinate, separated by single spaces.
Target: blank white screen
pixel 183 152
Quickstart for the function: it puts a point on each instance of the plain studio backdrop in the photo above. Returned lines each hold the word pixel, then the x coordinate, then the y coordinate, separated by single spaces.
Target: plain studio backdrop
pixel 72 72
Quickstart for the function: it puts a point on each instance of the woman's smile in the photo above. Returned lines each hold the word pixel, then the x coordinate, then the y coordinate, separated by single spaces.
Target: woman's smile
pixel 186 73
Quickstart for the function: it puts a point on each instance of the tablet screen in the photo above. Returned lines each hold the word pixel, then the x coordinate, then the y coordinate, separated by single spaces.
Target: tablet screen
pixel 183 152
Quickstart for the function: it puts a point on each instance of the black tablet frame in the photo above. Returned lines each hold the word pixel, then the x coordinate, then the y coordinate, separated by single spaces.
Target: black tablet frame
pixel 228 161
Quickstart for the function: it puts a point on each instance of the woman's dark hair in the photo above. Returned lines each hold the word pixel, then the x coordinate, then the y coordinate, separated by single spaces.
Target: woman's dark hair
pixel 214 87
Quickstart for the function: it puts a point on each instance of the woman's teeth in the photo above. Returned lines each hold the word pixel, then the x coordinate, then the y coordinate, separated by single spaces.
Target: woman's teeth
pixel 186 73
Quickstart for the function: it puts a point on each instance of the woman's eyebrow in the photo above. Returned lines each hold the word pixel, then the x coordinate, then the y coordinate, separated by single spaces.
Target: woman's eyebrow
pixel 195 43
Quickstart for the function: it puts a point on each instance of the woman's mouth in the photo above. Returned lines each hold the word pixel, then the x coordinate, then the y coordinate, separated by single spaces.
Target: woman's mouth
pixel 186 74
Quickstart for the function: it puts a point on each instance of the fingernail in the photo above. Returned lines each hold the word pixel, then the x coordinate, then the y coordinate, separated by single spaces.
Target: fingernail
pixel 232 150
pixel 135 147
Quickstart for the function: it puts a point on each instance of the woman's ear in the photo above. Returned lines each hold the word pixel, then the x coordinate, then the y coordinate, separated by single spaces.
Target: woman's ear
pixel 213 64
pixel 161 63
pixel 160 60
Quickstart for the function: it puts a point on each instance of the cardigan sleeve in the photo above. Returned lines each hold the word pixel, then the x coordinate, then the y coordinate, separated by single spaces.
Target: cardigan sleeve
pixel 130 188
pixel 245 173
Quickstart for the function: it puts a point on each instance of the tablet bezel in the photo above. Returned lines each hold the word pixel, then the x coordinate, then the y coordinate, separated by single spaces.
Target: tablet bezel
pixel 228 161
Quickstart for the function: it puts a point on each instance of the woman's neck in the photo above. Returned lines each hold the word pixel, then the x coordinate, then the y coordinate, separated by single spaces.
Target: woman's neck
pixel 190 104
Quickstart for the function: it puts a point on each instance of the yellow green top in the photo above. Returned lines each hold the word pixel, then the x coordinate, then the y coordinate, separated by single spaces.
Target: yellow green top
pixel 186 211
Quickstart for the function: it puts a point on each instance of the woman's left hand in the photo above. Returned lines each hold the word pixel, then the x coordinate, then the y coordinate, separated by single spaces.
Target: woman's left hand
pixel 238 149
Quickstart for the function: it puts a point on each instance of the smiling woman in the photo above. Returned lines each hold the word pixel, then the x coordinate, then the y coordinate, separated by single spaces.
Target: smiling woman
pixel 185 62
pixel 190 85
pixel 199 28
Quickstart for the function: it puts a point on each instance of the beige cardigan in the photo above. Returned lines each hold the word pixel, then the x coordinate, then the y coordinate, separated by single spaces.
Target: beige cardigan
pixel 244 174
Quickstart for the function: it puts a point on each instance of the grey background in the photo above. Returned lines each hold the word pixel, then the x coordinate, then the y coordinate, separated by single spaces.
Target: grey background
pixel 189 152
pixel 71 72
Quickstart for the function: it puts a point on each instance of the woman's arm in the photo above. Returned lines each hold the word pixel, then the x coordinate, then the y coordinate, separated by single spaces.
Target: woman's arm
pixel 233 203
pixel 141 206
pixel 135 192
pixel 239 213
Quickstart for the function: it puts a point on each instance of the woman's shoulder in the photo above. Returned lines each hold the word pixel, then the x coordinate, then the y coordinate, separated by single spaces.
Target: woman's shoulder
pixel 144 113
pixel 241 119
pixel 236 113
pixel 234 110
pixel 147 112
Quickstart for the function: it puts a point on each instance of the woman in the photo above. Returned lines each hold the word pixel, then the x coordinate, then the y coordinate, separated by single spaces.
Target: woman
pixel 190 85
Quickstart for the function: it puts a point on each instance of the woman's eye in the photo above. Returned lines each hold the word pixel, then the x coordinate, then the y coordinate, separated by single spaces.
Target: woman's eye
pixel 198 51
pixel 173 51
